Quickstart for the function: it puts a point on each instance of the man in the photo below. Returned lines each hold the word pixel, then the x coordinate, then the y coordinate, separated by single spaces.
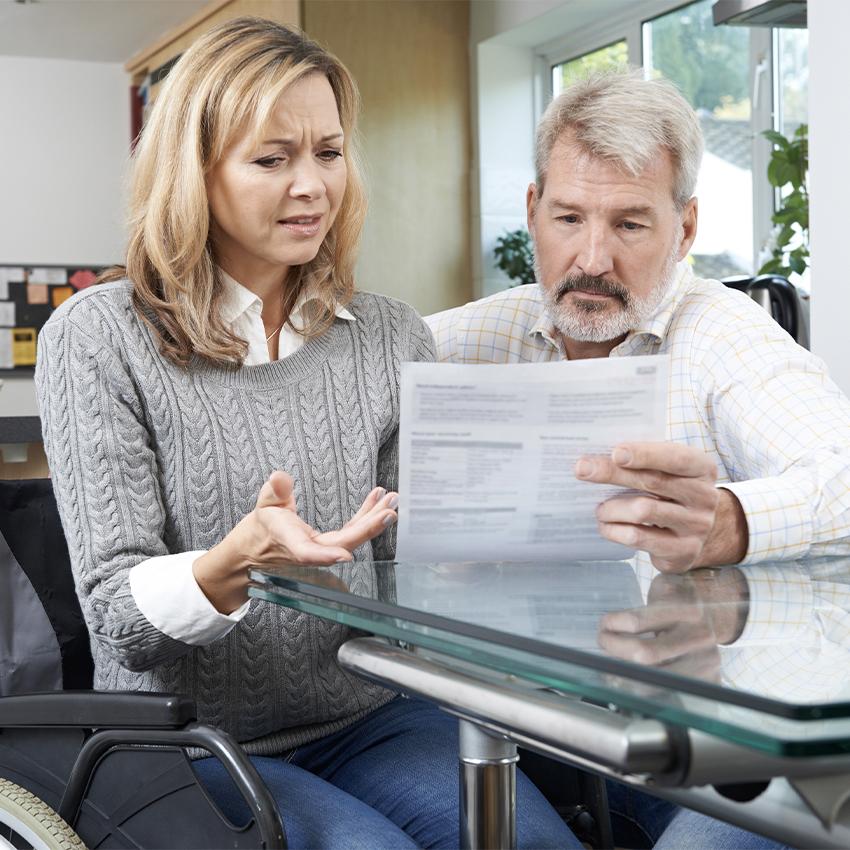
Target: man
pixel 757 463
pixel 612 215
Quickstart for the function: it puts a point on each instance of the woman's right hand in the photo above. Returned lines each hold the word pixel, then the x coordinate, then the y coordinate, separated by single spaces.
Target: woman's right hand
pixel 281 536
pixel 273 533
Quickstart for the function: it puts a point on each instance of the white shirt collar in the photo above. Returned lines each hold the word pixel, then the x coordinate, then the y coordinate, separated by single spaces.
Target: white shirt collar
pixel 238 299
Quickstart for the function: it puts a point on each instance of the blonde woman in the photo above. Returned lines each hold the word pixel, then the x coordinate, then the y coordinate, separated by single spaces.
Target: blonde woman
pixel 228 399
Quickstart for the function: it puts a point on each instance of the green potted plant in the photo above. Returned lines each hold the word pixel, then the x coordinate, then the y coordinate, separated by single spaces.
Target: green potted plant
pixel 789 165
pixel 514 256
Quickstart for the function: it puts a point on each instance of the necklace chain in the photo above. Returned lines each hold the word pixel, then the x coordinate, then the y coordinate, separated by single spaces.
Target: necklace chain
pixel 280 327
pixel 276 331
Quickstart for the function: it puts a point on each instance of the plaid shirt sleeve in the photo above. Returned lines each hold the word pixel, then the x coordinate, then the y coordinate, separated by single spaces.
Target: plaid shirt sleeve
pixel 444 326
pixel 782 428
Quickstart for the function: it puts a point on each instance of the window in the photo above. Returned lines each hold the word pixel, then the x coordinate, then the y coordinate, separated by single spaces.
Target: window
pixel 613 56
pixel 711 66
pixel 791 52
pixel 791 94
pixel 740 80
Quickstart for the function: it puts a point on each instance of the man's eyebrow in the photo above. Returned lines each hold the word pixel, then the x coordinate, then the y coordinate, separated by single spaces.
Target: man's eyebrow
pixel 330 137
pixel 636 209
pixel 640 209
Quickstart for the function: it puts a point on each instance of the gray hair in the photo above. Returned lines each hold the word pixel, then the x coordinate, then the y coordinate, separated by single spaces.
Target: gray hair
pixel 621 117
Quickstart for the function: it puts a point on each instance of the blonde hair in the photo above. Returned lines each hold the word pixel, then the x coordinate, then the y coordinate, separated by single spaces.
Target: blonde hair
pixel 621 117
pixel 227 81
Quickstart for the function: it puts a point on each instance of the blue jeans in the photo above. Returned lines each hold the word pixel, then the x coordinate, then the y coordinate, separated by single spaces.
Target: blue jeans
pixel 388 781
pixel 641 820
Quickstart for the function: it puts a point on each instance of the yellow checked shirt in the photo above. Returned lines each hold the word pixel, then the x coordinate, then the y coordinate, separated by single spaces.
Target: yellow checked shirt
pixel 741 389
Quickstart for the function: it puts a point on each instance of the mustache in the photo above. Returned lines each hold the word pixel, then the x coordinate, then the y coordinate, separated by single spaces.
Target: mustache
pixel 590 283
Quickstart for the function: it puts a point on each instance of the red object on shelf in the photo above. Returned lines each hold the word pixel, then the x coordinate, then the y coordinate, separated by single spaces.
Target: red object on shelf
pixel 82 279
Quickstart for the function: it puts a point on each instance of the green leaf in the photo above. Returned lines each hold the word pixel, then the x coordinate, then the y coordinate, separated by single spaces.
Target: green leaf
pixel 784 237
pixel 779 173
pixel 776 138
pixel 789 216
pixel 797 263
pixel 513 255
pixel 771 267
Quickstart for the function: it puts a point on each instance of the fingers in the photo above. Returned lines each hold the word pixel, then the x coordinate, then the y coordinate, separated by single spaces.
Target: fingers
pixel 672 458
pixel 369 503
pixel 686 490
pixel 670 553
pixel 644 510
pixel 364 526
pixel 312 553
pixel 667 529
pixel 669 645
pixel 277 491
pixel 674 521
pixel 650 619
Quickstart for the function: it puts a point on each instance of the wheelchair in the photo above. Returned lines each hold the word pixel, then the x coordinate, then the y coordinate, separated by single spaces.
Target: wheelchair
pixel 82 768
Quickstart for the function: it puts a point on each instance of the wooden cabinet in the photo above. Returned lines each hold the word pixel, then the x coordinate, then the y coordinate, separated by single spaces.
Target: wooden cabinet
pixel 149 66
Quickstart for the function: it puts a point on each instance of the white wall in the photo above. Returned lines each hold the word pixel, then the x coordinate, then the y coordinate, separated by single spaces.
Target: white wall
pixel 489 18
pixel 829 123
pixel 63 149
pixel 504 150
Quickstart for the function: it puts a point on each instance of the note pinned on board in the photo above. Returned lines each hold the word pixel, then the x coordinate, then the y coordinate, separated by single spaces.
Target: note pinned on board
pixel 23 346
pixel 82 279
pixel 11 274
pixel 60 294
pixel 37 293
pixel 7 314
pixel 48 275
pixel 6 359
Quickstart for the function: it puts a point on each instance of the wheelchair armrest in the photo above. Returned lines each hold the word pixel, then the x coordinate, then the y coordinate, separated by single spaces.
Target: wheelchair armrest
pixel 98 709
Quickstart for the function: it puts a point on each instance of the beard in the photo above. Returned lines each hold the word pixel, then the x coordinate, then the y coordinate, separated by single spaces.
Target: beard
pixel 601 321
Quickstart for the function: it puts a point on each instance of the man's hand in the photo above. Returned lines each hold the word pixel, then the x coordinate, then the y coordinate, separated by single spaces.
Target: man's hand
pixel 681 519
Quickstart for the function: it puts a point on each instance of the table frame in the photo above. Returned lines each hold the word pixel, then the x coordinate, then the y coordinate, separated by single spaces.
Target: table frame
pixel 805 803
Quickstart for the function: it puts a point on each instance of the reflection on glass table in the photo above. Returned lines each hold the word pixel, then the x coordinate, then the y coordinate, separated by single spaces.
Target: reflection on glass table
pixel 758 656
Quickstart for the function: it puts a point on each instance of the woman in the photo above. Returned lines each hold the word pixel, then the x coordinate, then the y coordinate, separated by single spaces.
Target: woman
pixel 233 346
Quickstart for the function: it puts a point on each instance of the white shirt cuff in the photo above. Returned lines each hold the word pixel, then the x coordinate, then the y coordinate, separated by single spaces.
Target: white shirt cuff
pixel 778 518
pixel 165 591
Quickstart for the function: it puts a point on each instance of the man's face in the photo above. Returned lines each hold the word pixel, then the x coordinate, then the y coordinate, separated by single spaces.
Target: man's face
pixel 606 243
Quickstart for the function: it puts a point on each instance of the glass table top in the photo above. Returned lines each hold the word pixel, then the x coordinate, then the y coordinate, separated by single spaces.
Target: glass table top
pixel 756 654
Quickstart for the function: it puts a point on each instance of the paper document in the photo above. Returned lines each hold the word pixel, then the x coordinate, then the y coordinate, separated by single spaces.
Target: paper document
pixel 487 455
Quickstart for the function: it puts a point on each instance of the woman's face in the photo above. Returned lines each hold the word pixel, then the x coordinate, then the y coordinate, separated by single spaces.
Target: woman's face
pixel 273 202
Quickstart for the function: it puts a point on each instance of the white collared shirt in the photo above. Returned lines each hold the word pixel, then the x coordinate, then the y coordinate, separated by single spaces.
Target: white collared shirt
pixel 164 588
pixel 243 311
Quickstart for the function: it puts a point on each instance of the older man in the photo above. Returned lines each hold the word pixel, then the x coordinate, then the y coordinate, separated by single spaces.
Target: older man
pixel 757 466
pixel 612 215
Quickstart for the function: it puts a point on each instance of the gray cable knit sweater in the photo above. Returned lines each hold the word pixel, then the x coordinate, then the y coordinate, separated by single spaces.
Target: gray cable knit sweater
pixel 149 459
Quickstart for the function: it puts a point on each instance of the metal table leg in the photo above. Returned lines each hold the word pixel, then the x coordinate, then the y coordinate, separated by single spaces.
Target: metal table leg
pixel 487 789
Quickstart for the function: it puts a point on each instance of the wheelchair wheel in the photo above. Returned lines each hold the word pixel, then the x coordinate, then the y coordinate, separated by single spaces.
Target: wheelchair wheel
pixel 28 822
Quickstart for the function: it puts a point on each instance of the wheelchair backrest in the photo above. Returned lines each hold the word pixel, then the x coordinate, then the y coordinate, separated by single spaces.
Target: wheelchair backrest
pixel 44 644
